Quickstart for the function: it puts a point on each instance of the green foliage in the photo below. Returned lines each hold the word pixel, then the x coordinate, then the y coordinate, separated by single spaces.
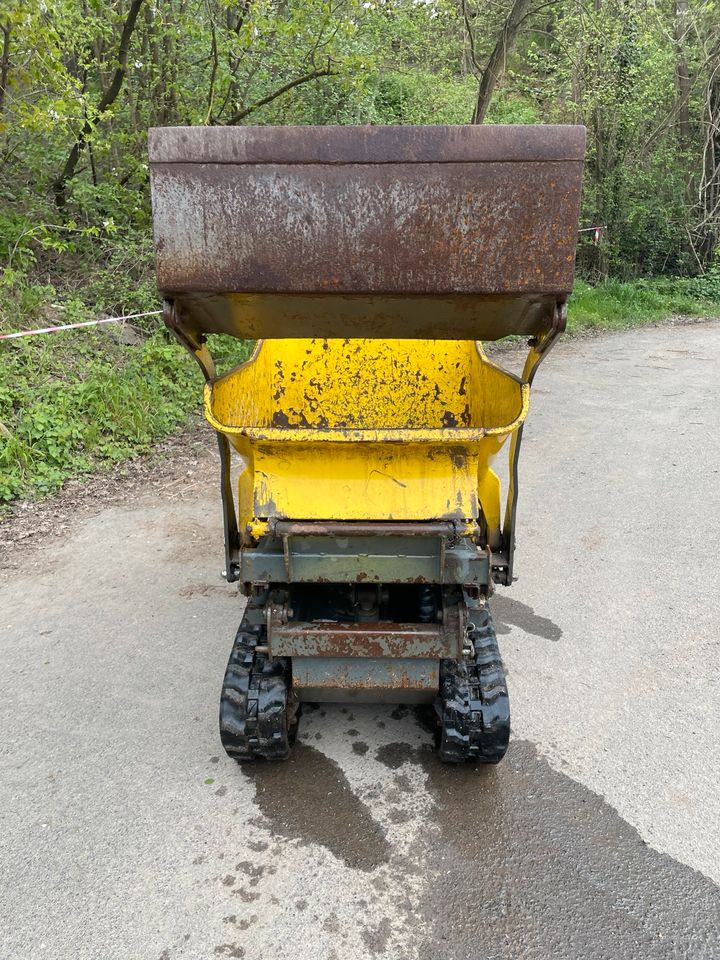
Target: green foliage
pixel 706 287
pixel 81 400
pixel 610 65
pixel 613 305
pixel 78 247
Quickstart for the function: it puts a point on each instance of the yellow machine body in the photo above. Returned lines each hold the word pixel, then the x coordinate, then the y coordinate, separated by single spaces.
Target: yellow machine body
pixel 369 264
pixel 367 429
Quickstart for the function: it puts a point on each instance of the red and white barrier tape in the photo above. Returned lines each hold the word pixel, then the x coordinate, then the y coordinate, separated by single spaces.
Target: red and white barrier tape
pixel 74 326
pixel 596 232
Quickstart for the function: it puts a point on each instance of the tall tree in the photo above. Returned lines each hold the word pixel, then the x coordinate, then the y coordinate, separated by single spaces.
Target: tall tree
pixel 490 75
pixel 681 24
pixel 107 99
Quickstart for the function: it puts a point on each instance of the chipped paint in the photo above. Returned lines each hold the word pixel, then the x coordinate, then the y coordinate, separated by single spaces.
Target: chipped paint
pixel 361 429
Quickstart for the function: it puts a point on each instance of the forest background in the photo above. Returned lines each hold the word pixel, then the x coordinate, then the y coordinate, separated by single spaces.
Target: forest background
pixel 82 80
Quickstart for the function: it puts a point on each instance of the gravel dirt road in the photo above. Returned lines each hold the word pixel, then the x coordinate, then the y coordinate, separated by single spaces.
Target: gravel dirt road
pixel 125 833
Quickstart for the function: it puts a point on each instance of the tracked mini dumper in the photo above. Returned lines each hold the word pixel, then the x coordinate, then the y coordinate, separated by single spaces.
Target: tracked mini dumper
pixel 367 533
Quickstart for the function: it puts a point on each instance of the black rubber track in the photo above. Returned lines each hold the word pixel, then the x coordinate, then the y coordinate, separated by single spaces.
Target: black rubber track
pixel 473 707
pixel 258 712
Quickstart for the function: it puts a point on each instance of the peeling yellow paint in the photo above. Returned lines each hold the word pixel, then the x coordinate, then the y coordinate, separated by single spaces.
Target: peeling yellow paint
pixel 366 429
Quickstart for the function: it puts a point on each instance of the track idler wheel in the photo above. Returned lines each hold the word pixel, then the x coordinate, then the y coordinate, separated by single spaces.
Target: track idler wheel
pixel 258 711
pixel 473 707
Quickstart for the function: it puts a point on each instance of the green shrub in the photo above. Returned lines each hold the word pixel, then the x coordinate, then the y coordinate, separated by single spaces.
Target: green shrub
pixel 613 304
pixel 78 400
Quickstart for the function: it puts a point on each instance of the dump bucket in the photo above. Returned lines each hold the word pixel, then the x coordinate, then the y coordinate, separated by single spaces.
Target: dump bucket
pixel 366 429
pixel 461 233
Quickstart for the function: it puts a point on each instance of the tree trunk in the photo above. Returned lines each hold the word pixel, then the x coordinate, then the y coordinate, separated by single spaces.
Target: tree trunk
pixel 498 58
pixel 708 232
pixel 682 74
pixel 106 101
pixel 600 165
pixel 4 64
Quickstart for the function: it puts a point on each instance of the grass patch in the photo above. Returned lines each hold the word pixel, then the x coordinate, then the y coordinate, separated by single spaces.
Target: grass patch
pixel 77 401
pixel 613 305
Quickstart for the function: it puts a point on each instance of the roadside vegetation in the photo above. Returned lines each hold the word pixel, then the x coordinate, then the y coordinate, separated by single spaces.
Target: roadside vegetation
pixel 75 222
pixel 613 304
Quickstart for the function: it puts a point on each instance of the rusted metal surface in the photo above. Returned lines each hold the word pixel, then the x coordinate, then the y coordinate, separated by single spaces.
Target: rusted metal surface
pixel 295 528
pixel 381 559
pixel 352 678
pixel 488 214
pixel 376 144
pixel 367 656
pixel 324 638
pixel 447 228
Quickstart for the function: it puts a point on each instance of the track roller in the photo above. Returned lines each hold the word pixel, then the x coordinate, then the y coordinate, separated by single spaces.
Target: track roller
pixel 258 710
pixel 473 707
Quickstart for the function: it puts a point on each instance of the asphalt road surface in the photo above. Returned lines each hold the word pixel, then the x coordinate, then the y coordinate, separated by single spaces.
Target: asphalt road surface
pixel 125 833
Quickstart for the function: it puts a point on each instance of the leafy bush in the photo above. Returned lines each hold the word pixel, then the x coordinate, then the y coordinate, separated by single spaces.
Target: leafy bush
pixel 613 304
pixel 706 287
pixel 80 400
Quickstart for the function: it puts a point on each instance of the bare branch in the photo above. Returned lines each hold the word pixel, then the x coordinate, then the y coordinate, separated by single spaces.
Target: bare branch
pixel 306 78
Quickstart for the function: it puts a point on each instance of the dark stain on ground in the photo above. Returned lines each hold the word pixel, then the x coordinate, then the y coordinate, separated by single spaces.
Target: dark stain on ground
pixel 508 613
pixel 229 950
pixel 533 864
pixel 360 748
pixel 426 717
pixel 394 755
pixel 247 896
pixel 376 937
pixel 398 815
pixel 308 798
pixel 401 711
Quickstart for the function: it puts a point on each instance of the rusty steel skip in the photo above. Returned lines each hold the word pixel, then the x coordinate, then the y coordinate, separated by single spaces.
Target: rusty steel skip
pixel 367 529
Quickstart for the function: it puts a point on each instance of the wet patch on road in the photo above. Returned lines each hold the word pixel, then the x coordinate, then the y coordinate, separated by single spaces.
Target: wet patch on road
pixel 533 864
pixel 508 613
pixel 376 938
pixel 308 798
pixel 394 755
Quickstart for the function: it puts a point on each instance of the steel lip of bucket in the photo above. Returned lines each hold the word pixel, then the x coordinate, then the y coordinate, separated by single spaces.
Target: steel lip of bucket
pixel 519 143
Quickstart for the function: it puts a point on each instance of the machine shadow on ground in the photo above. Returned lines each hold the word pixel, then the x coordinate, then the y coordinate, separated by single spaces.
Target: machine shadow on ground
pixel 518 850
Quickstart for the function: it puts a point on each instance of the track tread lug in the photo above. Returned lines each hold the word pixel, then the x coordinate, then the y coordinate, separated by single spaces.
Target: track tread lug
pixel 258 711
pixel 473 707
